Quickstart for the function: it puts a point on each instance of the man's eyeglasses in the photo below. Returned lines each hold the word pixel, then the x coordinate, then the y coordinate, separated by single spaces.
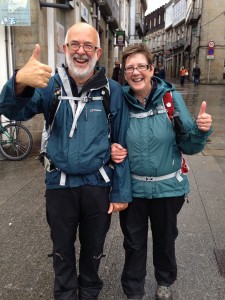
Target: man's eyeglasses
pixel 76 46
pixel 139 68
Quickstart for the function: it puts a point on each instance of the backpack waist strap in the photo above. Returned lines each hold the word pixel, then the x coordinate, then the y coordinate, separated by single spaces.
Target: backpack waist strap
pixel 83 99
pixel 176 174
pixel 158 110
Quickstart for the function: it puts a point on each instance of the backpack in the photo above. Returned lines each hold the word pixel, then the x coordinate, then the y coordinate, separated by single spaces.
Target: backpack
pixel 175 120
pixel 105 95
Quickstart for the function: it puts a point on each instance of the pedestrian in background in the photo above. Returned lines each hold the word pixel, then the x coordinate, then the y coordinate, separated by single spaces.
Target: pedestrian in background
pixel 183 74
pixel 159 71
pixel 196 74
pixel 79 176
pixel 118 73
pixel 159 182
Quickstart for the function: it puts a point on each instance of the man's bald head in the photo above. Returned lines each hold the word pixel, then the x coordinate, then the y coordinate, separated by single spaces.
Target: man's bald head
pixel 81 28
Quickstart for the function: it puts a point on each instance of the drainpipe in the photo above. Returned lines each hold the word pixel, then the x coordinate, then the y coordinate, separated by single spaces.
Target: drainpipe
pixel 9 54
pixel 132 19
pixel 120 19
pixel 7 51
pixel 97 14
pixel 51 38
pixel 8 69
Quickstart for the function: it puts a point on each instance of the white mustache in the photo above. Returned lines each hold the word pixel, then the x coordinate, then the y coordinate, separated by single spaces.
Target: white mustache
pixel 77 56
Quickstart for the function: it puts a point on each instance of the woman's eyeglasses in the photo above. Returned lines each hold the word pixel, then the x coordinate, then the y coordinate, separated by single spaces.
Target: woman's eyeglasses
pixel 139 68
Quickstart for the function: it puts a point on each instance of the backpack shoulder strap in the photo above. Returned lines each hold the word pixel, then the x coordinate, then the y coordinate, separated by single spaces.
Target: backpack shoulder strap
pixel 56 100
pixel 65 81
pixel 169 105
pixel 106 99
pixel 177 123
pixel 54 104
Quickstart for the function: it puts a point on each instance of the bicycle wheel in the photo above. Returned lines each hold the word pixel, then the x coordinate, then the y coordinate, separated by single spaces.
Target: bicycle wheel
pixel 15 142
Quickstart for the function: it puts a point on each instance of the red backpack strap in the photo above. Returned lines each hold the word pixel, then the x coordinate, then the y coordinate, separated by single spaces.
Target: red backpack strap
pixel 169 105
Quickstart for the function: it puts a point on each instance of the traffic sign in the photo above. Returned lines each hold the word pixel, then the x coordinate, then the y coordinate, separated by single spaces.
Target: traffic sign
pixel 211 44
pixel 211 51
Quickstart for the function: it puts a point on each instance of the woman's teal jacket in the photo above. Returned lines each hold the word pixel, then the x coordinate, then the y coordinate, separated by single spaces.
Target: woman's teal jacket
pixel 154 147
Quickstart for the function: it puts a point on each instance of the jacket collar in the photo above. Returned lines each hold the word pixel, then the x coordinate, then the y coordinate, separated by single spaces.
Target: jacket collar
pixel 98 80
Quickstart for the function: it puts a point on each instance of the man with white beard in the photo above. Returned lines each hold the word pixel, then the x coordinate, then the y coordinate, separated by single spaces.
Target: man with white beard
pixel 83 188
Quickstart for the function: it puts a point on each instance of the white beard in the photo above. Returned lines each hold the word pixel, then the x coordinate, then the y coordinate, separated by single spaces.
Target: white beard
pixel 79 72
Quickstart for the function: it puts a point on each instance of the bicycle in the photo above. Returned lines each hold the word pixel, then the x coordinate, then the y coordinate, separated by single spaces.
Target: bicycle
pixel 15 140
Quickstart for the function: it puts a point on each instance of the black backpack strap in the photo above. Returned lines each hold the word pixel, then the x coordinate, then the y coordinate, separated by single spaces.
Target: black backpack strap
pixel 106 101
pixel 54 104
pixel 106 105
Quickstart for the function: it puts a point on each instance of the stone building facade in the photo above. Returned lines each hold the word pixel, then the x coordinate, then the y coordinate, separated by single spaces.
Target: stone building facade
pixel 155 27
pixel 190 28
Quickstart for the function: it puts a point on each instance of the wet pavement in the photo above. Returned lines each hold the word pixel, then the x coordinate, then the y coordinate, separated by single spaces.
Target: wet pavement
pixel 214 95
pixel 26 270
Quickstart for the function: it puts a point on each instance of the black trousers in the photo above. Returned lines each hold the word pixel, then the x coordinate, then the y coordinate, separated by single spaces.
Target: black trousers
pixel 182 78
pixel 162 213
pixel 196 80
pixel 67 209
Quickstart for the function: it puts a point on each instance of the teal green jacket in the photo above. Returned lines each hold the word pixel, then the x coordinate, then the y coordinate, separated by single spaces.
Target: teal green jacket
pixel 154 149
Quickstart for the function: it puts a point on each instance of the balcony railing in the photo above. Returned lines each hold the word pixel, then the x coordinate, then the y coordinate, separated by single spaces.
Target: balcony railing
pixel 115 12
pixel 188 43
pixel 196 13
pixel 139 24
pixel 180 43
pixel 110 10
pixel 105 7
pixel 168 46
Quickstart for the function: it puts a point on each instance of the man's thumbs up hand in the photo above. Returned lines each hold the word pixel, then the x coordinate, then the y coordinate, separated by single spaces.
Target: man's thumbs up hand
pixel 36 53
pixel 33 74
pixel 204 120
